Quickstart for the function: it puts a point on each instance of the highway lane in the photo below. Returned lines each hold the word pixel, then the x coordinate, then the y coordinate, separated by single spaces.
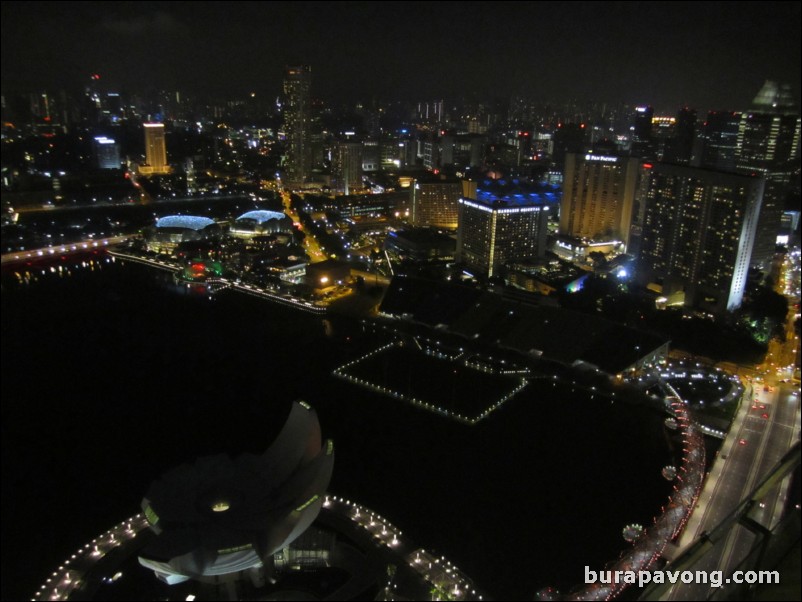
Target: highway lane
pixel 736 472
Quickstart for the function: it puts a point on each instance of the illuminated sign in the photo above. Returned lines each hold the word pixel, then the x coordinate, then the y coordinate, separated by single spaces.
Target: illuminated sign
pixel 601 158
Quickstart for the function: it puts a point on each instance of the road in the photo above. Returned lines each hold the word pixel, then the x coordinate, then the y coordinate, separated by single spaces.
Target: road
pixel 76 247
pixel 311 245
pixel 754 445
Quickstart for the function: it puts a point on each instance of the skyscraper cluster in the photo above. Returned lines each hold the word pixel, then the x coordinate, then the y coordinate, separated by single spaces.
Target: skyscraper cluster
pixel 710 208
pixel 699 232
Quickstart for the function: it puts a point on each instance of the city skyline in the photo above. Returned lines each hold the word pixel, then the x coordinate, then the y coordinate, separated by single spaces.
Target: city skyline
pixel 535 266
pixel 705 55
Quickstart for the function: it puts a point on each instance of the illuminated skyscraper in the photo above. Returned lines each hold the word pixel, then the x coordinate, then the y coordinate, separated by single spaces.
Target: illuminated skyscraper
pixel 435 201
pixel 155 150
pixel 698 235
pixel 347 166
pixel 107 153
pixel 297 121
pixel 643 141
pixel 506 221
pixel 680 147
pixel 768 145
pixel 598 196
pixel 720 140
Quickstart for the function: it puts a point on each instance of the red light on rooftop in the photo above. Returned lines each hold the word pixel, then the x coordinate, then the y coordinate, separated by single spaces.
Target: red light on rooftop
pixel 648 165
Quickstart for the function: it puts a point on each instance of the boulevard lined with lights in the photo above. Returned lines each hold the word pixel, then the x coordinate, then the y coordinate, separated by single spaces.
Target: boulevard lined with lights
pixel 221 283
pixel 650 545
pixel 445 578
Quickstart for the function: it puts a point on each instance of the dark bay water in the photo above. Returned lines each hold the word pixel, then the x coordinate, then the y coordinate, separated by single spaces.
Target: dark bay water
pixel 112 376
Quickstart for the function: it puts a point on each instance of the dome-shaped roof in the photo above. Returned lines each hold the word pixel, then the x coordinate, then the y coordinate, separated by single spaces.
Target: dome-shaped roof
pixel 262 216
pixel 191 222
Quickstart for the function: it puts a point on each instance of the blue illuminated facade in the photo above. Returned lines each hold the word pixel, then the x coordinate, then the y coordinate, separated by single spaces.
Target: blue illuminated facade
pixel 518 192
pixel 261 216
pixel 189 222
pixel 507 221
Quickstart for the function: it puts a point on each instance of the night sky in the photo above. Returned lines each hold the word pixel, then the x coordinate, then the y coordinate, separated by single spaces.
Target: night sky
pixel 703 54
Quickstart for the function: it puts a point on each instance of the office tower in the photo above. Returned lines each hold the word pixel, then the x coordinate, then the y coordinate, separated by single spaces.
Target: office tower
pixel 679 148
pixel 447 147
pixel 768 144
pixel 107 153
pixel 155 150
pixel 643 143
pixel 435 201
pixel 524 147
pixel 297 122
pixel 599 191
pixel 430 152
pixel 189 170
pixel 393 152
pixel 642 127
pixel 663 128
pixel 371 155
pixel 346 166
pixel 698 235
pixel 504 222
pixel 720 140
pixel 568 138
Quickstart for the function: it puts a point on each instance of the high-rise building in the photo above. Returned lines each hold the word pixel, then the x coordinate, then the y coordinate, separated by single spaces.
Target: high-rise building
pixel 189 171
pixel 505 221
pixel 297 122
pixel 435 201
pixel 768 144
pixel 643 142
pixel 155 150
pixel 568 138
pixel 698 235
pixel 107 153
pixel 393 151
pixel 680 147
pixel 346 166
pixel 720 140
pixel 598 197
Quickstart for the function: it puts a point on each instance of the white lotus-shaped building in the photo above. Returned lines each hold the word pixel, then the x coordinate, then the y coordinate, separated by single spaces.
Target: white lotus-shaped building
pixel 221 515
